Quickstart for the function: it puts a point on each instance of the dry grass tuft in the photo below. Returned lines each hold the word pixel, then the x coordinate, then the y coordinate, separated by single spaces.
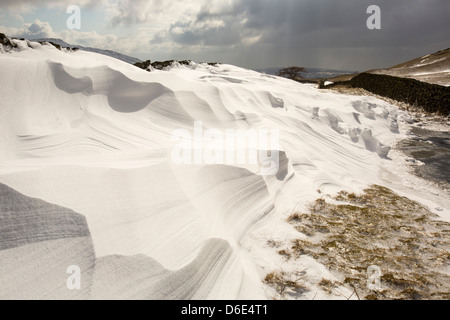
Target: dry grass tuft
pixel 284 284
pixel 379 228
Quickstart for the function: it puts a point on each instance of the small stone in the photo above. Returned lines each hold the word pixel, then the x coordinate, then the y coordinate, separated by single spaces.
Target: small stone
pixel 439 209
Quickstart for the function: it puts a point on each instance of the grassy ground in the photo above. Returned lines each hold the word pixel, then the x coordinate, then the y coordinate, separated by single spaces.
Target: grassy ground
pixel 377 228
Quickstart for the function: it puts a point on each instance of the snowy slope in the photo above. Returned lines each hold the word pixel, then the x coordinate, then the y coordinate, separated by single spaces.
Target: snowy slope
pixel 92 136
pixel 432 68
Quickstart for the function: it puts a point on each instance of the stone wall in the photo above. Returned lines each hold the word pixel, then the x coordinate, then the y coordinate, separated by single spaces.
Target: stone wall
pixel 430 97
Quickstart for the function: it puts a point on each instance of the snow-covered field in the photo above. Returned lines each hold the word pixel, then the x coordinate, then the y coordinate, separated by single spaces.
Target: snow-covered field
pixel 88 178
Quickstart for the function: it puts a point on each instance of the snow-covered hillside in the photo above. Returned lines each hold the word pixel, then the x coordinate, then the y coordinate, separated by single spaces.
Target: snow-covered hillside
pixel 88 177
pixel 432 68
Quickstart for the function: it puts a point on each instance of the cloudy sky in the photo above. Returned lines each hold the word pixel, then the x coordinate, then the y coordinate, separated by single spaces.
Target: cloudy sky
pixel 249 33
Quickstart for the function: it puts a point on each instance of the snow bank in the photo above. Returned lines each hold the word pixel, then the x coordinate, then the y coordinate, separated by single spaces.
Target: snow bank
pixel 94 135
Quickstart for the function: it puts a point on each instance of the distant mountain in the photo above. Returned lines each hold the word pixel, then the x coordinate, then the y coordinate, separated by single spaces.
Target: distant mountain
pixel 109 53
pixel 432 68
pixel 310 73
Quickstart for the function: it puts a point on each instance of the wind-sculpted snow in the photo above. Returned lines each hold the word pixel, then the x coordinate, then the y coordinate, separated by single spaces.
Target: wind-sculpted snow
pixel 140 277
pixel 38 242
pixel 95 136
pixel 123 94
pixel 26 221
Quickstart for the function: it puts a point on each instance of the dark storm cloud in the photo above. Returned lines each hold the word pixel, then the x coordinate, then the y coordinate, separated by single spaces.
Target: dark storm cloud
pixel 320 22
pixel 296 27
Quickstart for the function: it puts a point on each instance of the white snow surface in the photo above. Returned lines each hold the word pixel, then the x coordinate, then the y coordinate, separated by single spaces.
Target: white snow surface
pixel 94 134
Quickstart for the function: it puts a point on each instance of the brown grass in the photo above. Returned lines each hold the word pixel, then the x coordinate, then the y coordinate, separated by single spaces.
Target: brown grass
pixel 377 227
pixel 284 284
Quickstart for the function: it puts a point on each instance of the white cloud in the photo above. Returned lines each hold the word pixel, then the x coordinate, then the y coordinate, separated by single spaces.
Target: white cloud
pixel 219 7
pixel 159 37
pixel 210 24
pixel 178 31
pixel 129 12
pixel 251 40
pixel 37 29
pixel 26 6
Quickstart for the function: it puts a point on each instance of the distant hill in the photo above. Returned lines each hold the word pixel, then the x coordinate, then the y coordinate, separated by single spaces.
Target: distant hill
pixel 421 83
pixel 432 68
pixel 109 53
pixel 311 73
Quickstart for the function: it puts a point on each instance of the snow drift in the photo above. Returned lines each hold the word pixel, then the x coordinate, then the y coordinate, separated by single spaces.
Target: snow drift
pixel 85 150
